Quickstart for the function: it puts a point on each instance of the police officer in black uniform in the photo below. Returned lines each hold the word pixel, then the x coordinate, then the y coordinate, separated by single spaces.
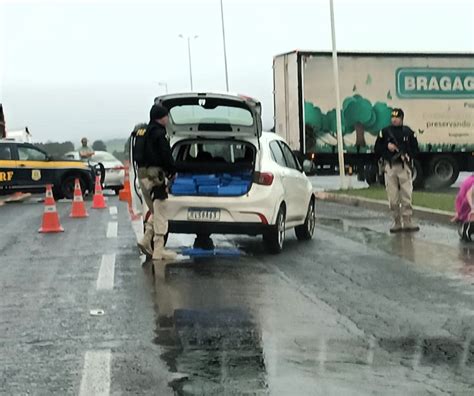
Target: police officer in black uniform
pixel 397 146
pixel 152 155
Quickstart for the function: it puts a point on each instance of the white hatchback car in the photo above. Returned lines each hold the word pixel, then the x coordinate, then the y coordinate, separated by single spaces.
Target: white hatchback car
pixel 233 178
pixel 114 169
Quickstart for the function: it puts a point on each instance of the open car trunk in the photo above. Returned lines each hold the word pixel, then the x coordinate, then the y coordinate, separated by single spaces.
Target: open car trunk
pixel 213 167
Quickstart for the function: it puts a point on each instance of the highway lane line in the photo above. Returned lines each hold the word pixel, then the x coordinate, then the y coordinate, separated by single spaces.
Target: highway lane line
pixel 96 373
pixel 113 210
pixel 112 229
pixel 105 279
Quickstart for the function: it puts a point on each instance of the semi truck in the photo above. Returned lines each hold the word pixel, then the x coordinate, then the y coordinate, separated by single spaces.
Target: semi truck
pixel 435 91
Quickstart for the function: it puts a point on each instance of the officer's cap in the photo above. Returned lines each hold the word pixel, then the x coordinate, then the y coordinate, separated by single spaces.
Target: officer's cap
pixel 398 113
pixel 157 112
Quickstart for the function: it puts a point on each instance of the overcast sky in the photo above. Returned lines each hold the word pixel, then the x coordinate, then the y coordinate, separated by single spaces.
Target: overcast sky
pixel 92 68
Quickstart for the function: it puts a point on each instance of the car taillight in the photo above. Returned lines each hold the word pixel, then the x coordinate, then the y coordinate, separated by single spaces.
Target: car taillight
pixel 264 178
pixel 119 167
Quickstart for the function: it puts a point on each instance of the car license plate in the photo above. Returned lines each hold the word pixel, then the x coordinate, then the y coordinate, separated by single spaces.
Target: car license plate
pixel 203 214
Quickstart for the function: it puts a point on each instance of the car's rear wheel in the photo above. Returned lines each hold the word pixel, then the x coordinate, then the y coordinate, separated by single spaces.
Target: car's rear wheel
pixel 67 186
pixel 274 238
pixel 305 231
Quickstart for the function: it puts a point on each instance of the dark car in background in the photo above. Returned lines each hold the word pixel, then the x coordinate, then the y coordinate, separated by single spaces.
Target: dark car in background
pixel 26 168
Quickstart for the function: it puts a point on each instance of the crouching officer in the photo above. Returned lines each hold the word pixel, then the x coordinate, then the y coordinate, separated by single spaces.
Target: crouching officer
pixel 152 154
pixel 397 146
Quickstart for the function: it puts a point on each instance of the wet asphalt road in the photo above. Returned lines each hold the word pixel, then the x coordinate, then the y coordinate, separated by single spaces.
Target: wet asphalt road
pixel 356 311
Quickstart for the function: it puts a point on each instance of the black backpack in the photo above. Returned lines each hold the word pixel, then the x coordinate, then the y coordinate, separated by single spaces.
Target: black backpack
pixel 139 144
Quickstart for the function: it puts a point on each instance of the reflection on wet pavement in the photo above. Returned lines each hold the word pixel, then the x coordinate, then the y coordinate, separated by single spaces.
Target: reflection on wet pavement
pixel 213 348
pixel 433 256
pixel 234 327
pixel 458 354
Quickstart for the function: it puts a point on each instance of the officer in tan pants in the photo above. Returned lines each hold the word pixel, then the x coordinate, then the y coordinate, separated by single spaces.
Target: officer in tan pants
pixel 152 155
pixel 397 146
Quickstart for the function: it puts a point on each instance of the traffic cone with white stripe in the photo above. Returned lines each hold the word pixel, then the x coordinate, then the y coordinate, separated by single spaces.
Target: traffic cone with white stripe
pixel 50 216
pixel 125 193
pixel 98 202
pixel 78 208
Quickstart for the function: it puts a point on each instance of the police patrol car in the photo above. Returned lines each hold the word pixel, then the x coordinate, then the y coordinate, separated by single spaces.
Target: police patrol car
pixel 26 168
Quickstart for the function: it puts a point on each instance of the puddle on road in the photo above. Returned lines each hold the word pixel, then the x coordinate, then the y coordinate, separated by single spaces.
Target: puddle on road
pixel 212 349
pixel 213 343
pixel 458 354
pixel 218 351
pixel 441 258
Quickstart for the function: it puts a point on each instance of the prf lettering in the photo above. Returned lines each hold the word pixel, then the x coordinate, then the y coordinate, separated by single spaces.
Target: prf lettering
pixel 6 176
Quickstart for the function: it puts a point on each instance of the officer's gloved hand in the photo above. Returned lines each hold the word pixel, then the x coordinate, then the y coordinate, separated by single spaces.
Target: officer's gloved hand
pixel 159 192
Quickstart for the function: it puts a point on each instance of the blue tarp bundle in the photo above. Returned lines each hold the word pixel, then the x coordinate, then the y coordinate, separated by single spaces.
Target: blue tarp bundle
pixel 212 184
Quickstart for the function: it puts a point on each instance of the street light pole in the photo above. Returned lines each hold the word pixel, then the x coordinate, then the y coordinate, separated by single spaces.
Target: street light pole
pixel 340 145
pixel 225 51
pixel 190 65
pixel 189 58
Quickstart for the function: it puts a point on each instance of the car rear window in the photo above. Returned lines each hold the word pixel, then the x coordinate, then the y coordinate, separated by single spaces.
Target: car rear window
pixel 197 114
pixel 277 154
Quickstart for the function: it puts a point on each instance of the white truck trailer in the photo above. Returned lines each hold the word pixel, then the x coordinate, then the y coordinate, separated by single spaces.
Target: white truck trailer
pixel 436 92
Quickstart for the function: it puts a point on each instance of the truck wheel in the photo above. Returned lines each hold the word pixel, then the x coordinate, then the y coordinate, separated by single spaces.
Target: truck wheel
pixel 275 236
pixel 418 177
pixel 444 171
pixel 370 174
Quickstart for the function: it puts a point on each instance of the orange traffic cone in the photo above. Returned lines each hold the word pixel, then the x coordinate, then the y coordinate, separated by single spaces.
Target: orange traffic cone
pixel 98 202
pixel 78 208
pixel 125 193
pixel 50 216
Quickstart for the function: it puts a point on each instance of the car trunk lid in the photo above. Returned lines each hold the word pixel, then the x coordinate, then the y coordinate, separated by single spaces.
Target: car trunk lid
pixel 212 115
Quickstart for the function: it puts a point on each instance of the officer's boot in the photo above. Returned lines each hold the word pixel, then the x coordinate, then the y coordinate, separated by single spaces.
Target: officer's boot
pixel 409 225
pixel 397 225
pixel 159 251
pixel 145 244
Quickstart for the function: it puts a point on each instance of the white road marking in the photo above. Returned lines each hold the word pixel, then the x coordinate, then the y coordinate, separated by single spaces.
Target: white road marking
pixel 112 229
pixel 137 226
pixel 113 210
pixel 370 353
pixel 96 373
pixel 105 279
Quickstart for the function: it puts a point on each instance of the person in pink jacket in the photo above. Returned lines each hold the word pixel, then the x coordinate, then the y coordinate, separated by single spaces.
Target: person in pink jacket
pixel 465 209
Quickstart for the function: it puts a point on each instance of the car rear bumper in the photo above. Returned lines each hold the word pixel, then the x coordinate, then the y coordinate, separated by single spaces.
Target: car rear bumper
pixel 207 227
pixel 257 207
pixel 113 180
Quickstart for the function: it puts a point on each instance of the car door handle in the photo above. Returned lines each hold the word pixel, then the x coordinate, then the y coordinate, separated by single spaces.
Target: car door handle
pixel 22 165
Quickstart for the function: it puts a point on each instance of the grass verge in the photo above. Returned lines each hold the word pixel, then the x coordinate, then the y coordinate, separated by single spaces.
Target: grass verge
pixel 426 199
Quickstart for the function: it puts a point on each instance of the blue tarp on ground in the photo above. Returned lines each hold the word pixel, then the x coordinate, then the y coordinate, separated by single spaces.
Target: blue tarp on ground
pixel 221 252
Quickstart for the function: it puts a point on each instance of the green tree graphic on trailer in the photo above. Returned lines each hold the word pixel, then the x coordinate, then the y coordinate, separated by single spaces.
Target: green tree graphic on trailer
pixel 358 114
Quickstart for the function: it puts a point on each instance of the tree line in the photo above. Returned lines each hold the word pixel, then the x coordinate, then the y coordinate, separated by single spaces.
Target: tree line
pixel 57 149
